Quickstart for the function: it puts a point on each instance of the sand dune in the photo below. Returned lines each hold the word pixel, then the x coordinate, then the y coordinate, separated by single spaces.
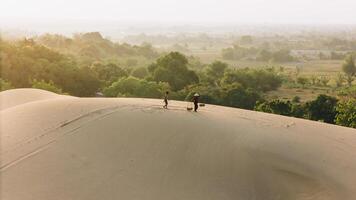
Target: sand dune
pixel 55 147
pixel 11 98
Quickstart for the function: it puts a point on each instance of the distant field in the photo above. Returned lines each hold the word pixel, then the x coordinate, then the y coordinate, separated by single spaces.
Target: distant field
pixel 328 68
pixel 320 66
pixel 305 94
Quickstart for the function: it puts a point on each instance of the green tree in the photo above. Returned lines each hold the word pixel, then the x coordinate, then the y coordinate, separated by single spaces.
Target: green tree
pixel 349 69
pixel 276 107
pixel 298 110
pixel 237 96
pixel 323 108
pixel 257 79
pixel 346 113
pixel 5 85
pixel 282 108
pixel 108 73
pixel 49 86
pixel 215 71
pixel 24 61
pixel 134 87
pixel 173 69
pixel 83 82
pixel 140 72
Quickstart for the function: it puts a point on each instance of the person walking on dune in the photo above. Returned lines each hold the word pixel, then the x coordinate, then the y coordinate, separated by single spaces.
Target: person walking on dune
pixel 166 100
pixel 195 100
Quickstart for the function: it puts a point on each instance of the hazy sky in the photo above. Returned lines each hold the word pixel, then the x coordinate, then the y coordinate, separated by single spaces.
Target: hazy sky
pixel 204 11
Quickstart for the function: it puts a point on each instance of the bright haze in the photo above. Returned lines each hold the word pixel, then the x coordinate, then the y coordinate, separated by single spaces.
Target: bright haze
pixel 44 15
pixel 257 11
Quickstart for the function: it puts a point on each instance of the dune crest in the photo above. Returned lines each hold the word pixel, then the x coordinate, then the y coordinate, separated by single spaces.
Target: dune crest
pixel 15 97
pixel 127 148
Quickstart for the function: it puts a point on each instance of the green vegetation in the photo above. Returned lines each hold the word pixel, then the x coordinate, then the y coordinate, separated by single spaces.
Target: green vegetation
pixel 25 61
pixel 323 108
pixel 349 69
pixel 251 53
pixel 173 69
pixel 140 72
pixel 92 46
pixel 276 107
pixel 5 85
pixel 262 80
pixel 134 87
pixel 46 86
pixel 108 73
pixel 88 63
pixel 346 113
pixel 215 71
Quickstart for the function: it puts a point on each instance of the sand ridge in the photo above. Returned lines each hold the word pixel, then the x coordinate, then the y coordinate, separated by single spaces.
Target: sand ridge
pixel 127 148
pixel 14 97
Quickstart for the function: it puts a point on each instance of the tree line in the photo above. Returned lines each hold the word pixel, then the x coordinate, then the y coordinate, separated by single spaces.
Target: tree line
pixel 27 63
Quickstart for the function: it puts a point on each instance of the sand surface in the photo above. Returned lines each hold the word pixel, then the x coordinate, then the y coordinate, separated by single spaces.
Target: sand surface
pixel 12 98
pixel 60 147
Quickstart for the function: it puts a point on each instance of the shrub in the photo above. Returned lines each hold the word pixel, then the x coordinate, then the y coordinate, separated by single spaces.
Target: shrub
pixel 134 87
pixel 49 86
pixel 275 106
pixel 346 113
pixel 323 108
pixel 5 85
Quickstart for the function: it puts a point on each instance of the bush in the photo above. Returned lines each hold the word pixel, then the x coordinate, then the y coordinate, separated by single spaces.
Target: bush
pixel 134 87
pixel 239 97
pixel 349 91
pixel 296 99
pixel 282 108
pixel 298 110
pixel 5 85
pixel 49 86
pixel 173 69
pixel 257 79
pixel 346 113
pixel 108 73
pixel 323 108
pixel 25 60
pixel 140 72
pixel 276 107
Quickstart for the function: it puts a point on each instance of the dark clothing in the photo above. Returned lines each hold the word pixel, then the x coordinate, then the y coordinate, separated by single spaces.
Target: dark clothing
pixel 165 101
pixel 196 102
pixel 195 107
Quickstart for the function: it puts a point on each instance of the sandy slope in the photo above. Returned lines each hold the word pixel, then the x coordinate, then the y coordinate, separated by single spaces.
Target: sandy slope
pixel 92 148
pixel 12 98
